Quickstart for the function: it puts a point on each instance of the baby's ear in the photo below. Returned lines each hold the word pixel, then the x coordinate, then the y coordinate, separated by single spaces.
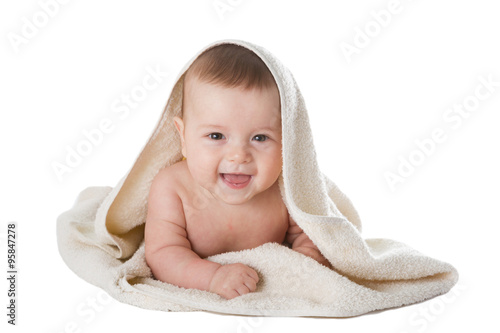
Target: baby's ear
pixel 179 124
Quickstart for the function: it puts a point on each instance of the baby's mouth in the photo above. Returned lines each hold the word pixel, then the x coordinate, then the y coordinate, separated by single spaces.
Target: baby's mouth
pixel 236 180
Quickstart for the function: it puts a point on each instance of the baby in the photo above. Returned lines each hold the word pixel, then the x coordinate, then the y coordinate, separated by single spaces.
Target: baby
pixel 224 196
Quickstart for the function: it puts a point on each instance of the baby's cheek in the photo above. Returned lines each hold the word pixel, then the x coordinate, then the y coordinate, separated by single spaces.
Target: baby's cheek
pixel 208 174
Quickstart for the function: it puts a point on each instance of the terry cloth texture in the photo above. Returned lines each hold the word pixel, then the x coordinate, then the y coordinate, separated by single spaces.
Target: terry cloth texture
pixel 102 237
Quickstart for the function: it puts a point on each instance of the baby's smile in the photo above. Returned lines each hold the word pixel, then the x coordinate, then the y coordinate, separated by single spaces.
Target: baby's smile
pixel 236 181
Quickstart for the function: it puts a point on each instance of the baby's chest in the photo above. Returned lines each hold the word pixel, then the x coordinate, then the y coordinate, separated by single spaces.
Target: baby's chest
pixel 214 232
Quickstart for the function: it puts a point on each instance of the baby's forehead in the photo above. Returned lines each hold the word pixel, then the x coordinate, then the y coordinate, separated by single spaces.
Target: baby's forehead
pixel 205 121
pixel 198 109
pixel 272 121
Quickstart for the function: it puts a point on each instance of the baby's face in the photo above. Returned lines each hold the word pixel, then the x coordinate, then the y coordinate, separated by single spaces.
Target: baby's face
pixel 231 131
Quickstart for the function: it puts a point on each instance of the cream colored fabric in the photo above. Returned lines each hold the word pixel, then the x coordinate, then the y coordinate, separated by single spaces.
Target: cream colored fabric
pixel 101 237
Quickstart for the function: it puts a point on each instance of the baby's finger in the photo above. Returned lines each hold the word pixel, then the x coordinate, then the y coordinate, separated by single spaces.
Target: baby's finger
pixel 243 289
pixel 230 294
pixel 251 284
pixel 253 274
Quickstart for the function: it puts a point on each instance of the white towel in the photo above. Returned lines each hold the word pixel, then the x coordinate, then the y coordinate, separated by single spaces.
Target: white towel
pixel 102 237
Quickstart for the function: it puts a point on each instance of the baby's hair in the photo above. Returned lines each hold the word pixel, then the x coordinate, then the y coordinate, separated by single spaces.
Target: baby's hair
pixel 231 66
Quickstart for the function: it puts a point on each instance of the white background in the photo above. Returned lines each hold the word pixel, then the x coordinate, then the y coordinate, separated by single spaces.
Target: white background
pixel 365 114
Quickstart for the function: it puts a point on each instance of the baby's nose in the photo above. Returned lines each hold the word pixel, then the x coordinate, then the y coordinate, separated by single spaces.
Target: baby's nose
pixel 239 154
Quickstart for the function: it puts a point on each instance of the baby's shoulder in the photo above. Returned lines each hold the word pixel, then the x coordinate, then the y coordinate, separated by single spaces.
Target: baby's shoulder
pixel 173 175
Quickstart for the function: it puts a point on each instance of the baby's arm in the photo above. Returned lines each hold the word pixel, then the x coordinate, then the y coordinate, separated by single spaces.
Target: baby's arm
pixel 169 253
pixel 301 243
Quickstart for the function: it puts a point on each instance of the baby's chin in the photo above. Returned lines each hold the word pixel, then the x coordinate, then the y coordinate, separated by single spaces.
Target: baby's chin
pixel 233 199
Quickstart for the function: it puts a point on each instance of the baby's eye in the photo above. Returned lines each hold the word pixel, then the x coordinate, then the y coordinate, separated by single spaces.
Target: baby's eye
pixel 215 136
pixel 261 137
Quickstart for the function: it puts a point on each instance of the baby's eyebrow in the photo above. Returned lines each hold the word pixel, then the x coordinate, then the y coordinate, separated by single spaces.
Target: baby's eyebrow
pixel 211 126
pixel 223 127
pixel 269 128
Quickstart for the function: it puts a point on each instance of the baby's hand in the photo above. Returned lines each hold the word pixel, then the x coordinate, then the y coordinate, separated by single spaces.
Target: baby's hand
pixel 315 254
pixel 234 280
